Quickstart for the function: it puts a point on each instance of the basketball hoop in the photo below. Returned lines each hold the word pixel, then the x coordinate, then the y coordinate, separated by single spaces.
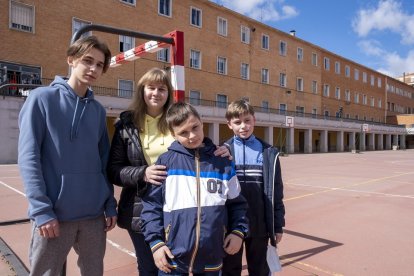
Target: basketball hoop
pixel 290 121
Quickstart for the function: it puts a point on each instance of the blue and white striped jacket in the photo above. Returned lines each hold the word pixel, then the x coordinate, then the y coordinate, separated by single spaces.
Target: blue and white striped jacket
pixel 191 211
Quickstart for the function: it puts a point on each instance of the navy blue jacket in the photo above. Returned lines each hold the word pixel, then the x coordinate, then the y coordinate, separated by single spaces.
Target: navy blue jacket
pixel 190 212
pixel 273 189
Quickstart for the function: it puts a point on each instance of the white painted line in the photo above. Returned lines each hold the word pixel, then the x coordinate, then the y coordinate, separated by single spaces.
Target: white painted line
pixel 117 246
pixel 11 188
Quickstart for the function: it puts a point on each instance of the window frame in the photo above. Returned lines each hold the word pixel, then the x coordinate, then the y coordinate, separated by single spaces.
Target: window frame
pixel 121 40
pixel 168 13
pixel 265 75
pixel 282 80
pixel 245 34
pixel 194 100
pixel 221 104
pixel 199 17
pixel 224 23
pixel 282 48
pixel 195 61
pixel 224 65
pixel 122 93
pixel 29 10
pixel 265 42
pixel 245 68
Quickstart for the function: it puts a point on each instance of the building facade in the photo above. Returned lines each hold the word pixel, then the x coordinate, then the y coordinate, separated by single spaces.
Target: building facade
pixel 307 98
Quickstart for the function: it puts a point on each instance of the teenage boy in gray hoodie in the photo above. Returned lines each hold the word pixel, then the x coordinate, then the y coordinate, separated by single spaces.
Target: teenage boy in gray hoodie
pixel 63 149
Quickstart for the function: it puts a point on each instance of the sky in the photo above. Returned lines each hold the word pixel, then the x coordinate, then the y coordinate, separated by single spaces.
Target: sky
pixel 378 34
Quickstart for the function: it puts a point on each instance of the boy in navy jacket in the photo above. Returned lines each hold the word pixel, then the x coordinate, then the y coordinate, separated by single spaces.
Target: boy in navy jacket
pixel 186 218
pixel 258 170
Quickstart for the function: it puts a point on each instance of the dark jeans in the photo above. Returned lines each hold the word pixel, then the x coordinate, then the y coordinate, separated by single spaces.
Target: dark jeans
pixel 256 249
pixel 146 265
pixel 173 273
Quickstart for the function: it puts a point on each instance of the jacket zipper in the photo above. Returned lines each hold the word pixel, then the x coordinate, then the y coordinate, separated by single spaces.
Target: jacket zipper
pixel 197 239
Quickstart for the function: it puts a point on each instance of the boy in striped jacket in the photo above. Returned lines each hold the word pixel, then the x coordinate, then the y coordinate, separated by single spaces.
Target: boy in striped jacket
pixel 185 220
pixel 258 170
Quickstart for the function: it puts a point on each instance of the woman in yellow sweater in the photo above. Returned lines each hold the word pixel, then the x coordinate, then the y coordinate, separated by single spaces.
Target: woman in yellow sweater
pixel 141 135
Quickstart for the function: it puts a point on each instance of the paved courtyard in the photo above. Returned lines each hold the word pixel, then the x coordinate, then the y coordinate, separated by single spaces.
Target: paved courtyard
pixel 346 214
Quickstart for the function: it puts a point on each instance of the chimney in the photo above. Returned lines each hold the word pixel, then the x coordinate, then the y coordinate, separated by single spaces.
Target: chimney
pixel 293 33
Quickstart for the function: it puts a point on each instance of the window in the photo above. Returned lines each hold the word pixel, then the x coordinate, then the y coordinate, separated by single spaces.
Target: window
pixel 245 34
pixel 222 26
pixel 372 102
pixel 221 101
pixel 300 110
pixel 379 83
pixel 282 48
pixel 326 63
pixel 125 43
pixel 379 103
pixel 326 90
pixel 282 80
pixel 356 98
pixel 164 55
pixel 364 99
pixel 21 17
pixel 299 84
pixel 364 76
pixel 195 17
pixel 265 42
pixel 125 88
pixel 314 59
pixel 347 71
pixel 265 75
pixel 337 93
pixel 314 87
pixel 356 74
pixel 77 24
pixel 132 2
pixel 265 106
pixel 195 97
pixel 222 65
pixel 372 80
pixel 314 113
pixel 282 109
pixel 347 95
pixel 337 67
pixel 195 59
pixel 164 7
pixel 244 71
pixel 300 54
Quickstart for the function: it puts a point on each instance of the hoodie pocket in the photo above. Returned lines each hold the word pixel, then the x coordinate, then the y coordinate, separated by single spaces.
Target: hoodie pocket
pixel 82 196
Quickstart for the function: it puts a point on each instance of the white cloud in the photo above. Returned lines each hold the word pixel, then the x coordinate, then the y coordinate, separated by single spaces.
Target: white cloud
pixel 393 64
pixel 371 47
pixel 262 10
pixel 388 15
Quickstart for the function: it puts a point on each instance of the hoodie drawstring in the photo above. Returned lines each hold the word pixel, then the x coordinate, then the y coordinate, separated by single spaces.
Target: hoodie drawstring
pixel 74 133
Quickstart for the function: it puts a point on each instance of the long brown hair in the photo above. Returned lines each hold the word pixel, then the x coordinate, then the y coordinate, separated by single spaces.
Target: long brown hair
pixel 138 106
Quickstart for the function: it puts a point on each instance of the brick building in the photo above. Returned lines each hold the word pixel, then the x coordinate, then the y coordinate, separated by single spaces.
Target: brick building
pixel 228 56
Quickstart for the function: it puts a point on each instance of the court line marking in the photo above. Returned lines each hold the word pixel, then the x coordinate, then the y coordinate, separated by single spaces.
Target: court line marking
pixel 13 189
pixel 313 267
pixel 348 186
pixel 357 191
pixel 114 244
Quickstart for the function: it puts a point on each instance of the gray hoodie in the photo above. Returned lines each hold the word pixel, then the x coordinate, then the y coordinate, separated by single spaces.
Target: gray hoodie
pixel 63 149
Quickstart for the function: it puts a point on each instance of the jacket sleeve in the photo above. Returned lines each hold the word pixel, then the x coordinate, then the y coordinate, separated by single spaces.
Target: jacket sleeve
pixel 279 207
pixel 236 209
pixel 110 204
pixel 152 216
pixel 119 169
pixel 32 125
